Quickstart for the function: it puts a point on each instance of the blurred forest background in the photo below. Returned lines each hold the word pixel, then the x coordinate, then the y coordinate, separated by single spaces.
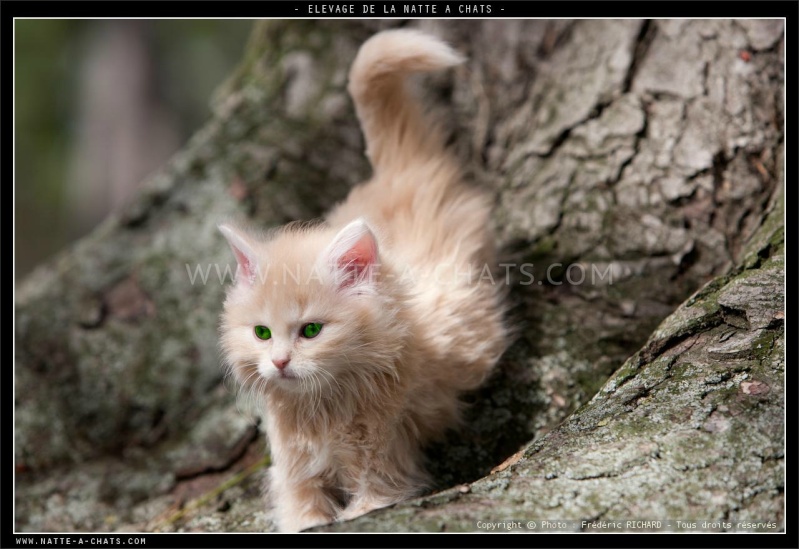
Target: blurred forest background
pixel 129 92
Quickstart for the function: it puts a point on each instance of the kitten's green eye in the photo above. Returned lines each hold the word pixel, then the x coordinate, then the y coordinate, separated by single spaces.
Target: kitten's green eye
pixel 311 330
pixel 262 332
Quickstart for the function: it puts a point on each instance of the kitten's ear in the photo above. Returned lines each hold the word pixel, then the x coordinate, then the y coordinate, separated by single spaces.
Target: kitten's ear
pixel 352 255
pixel 243 250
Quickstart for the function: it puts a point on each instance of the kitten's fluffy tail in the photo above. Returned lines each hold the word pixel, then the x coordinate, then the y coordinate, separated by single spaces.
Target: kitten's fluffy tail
pixel 395 129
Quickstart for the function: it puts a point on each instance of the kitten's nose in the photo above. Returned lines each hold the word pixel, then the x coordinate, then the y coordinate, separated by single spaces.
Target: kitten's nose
pixel 280 362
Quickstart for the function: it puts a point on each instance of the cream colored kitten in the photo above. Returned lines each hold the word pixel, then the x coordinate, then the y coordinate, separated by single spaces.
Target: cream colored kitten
pixel 361 332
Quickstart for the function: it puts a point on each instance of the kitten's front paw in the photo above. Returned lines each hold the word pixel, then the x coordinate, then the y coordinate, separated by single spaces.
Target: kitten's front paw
pixel 352 512
pixel 361 507
pixel 302 521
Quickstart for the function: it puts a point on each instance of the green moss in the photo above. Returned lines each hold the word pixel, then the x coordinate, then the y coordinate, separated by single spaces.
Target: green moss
pixel 636 428
pixel 769 237
pixel 705 297
pixel 684 370
pixel 763 345
pixel 626 372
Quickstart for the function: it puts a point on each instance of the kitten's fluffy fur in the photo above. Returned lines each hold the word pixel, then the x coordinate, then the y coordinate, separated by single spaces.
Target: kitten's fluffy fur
pixel 393 275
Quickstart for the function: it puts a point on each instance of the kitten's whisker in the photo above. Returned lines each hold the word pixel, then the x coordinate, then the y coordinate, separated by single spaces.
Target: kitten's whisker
pixel 329 376
pixel 317 400
pixel 246 389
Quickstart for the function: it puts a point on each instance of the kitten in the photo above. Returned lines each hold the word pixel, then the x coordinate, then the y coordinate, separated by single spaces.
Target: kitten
pixel 361 332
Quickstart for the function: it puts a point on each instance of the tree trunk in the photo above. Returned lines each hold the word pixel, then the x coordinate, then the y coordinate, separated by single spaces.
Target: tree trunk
pixel 633 162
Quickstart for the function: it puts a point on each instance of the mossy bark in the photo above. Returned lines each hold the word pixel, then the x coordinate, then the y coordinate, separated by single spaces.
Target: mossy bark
pixel 643 157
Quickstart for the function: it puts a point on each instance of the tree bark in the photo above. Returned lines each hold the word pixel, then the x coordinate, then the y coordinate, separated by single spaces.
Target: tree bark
pixel 644 156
